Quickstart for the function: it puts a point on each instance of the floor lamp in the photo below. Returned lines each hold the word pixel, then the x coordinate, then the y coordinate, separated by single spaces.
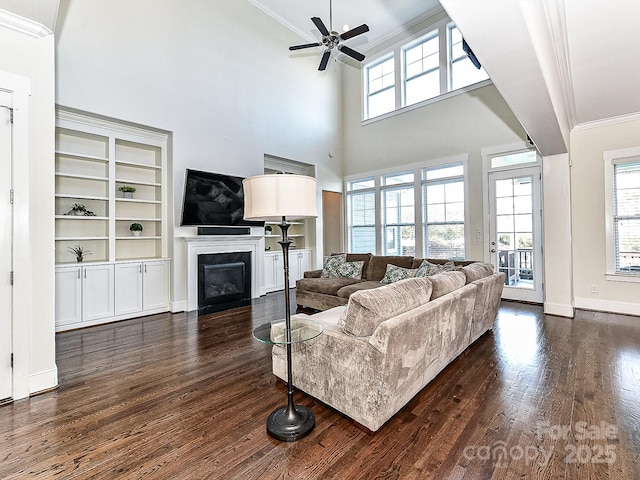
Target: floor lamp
pixel 282 198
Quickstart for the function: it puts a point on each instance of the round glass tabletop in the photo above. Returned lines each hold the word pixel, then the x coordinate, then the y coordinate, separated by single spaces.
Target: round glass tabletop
pixel 302 329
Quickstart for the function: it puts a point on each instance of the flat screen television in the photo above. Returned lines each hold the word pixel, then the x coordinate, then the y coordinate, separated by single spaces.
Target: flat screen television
pixel 212 199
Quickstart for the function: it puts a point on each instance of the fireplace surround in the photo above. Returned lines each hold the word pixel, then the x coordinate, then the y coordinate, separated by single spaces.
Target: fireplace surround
pixel 202 245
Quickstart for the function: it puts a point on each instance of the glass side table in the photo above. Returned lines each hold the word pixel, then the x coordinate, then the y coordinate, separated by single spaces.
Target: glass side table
pixel 292 422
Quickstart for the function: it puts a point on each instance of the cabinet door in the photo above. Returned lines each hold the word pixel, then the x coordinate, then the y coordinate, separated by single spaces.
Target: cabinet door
pixel 279 270
pixel 294 267
pixel 97 292
pixel 68 295
pixel 270 271
pixel 128 288
pixel 305 262
pixel 155 285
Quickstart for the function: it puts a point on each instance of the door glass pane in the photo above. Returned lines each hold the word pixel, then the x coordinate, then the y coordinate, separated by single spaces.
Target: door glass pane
pixel 514 227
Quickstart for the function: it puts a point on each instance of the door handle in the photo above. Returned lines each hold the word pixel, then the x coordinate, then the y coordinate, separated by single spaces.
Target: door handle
pixel 493 250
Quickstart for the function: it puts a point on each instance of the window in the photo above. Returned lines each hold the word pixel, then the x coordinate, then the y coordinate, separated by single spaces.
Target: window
pixel 428 71
pixel 422 70
pixel 626 216
pixel 399 214
pixel 361 212
pixel 513 159
pixel 443 204
pixel 461 71
pixel 381 95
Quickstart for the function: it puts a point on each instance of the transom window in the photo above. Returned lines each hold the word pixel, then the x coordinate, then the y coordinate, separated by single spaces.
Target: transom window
pixel 425 71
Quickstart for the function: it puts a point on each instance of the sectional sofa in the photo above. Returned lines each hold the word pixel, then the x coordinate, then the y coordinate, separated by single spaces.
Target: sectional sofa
pixel 321 293
pixel 387 343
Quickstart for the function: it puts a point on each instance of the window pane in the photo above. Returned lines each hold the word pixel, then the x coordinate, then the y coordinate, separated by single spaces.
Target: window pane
pixel 396 178
pixel 381 76
pixel 422 88
pixel 361 220
pixel 513 159
pixel 443 211
pixel 382 102
pixel 360 184
pixel 464 73
pixel 445 241
pixel 399 216
pixel 443 172
pixel 626 183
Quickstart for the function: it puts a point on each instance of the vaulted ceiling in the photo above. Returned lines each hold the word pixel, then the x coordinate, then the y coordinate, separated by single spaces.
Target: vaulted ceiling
pixel 558 63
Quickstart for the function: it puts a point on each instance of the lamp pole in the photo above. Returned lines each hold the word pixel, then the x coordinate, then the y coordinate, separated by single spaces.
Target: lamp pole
pixel 289 423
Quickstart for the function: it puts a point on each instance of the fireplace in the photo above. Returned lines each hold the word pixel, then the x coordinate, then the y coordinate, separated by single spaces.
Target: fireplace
pixel 224 281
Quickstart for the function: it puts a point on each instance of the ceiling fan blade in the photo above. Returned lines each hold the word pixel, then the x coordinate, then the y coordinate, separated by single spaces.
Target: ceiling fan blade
pixel 355 31
pixel 306 45
pixel 351 52
pixel 324 61
pixel 320 26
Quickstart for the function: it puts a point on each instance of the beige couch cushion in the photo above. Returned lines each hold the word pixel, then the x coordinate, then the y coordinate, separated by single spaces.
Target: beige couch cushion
pixel 445 282
pixel 345 292
pixel 326 286
pixel 476 271
pixel 368 308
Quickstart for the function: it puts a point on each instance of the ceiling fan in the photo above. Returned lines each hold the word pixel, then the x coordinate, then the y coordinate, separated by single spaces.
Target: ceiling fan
pixel 332 40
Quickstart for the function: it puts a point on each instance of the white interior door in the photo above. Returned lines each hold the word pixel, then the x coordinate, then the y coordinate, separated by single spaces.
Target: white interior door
pixel 6 229
pixel 516 231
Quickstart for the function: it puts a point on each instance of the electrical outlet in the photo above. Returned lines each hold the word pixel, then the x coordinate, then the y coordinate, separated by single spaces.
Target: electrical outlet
pixel 479 235
pixel 594 288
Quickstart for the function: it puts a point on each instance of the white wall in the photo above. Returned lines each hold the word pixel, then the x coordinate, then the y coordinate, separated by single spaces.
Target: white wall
pixel 462 124
pixel 588 216
pixel 217 75
pixel 32 57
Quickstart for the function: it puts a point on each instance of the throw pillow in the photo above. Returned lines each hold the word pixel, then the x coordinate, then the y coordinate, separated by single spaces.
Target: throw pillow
pixel 395 273
pixel 426 268
pixel 350 269
pixel 331 264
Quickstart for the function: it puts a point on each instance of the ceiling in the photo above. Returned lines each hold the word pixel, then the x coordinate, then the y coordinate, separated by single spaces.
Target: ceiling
pixel 385 18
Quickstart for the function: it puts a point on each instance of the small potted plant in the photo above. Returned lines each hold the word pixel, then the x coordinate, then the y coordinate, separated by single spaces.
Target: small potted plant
pixel 136 229
pixel 79 210
pixel 79 251
pixel 268 229
pixel 127 191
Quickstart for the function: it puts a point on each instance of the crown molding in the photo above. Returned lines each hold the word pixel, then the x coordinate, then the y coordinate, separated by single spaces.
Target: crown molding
pixel 261 6
pixel 605 122
pixel 23 25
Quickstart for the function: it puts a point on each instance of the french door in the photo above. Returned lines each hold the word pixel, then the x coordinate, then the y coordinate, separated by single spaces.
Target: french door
pixel 515 243
pixel 6 234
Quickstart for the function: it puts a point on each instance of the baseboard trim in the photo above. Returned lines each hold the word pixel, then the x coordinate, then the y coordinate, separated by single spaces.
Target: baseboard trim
pixel 177 307
pixel 624 308
pixel 559 309
pixel 42 381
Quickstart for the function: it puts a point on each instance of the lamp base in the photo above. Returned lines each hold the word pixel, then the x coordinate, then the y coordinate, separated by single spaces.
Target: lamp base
pixel 288 426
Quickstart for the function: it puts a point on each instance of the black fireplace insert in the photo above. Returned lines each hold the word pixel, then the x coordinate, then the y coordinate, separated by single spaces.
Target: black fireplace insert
pixel 224 281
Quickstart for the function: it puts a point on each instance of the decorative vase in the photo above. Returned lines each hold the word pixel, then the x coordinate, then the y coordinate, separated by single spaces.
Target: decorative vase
pixel 79 259
pixel 136 233
pixel 127 194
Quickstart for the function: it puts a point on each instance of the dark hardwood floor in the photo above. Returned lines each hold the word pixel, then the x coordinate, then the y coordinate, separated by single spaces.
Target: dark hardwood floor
pixel 181 396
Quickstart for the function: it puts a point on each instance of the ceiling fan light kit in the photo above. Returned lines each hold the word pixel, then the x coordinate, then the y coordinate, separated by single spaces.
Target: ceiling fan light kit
pixel 333 40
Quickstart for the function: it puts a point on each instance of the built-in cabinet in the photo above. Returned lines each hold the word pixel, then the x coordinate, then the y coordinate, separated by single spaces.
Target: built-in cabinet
pixel 105 292
pixel 299 262
pixel 109 176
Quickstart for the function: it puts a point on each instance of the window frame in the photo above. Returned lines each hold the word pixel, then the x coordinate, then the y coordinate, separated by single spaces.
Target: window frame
pixel 416 169
pixel 433 34
pixel 612 158
pixel 443 181
pixel 350 194
pixel 367 82
pixel 399 225
pixel 397 52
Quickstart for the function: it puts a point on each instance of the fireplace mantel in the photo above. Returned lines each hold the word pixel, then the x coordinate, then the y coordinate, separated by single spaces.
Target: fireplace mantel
pixel 203 244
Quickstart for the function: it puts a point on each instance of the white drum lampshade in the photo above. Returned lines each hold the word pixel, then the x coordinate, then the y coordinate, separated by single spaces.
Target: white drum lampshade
pixel 271 197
